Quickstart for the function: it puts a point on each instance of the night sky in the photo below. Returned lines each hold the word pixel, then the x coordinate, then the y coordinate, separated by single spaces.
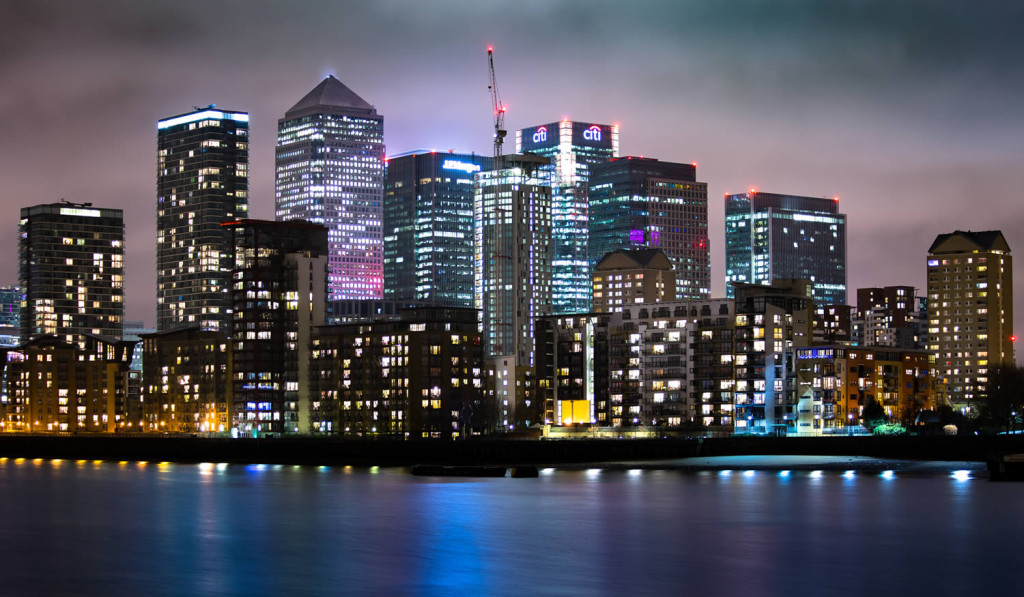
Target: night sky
pixel 911 112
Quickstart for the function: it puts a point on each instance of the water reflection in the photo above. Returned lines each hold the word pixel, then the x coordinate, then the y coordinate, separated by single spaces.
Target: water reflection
pixel 286 530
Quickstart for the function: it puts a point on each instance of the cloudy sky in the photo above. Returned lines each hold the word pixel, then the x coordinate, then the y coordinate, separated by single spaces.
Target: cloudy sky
pixel 912 112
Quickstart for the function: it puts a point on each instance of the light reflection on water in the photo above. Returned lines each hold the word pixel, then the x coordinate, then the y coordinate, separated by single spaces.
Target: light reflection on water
pixel 213 528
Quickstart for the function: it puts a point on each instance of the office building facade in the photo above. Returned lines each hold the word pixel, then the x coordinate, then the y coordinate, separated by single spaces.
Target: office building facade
pixel 428 227
pixel 330 171
pixel 71 268
pixel 970 311
pixel 770 237
pixel 202 180
pixel 646 203
pixel 573 148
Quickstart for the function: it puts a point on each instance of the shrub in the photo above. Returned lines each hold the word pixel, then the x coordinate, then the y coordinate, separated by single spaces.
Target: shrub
pixel 890 429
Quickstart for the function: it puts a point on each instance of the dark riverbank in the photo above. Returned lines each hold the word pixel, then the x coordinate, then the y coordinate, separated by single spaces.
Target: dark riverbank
pixel 317 451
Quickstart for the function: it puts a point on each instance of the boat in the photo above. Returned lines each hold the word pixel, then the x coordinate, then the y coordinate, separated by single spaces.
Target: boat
pixel 525 472
pixel 436 470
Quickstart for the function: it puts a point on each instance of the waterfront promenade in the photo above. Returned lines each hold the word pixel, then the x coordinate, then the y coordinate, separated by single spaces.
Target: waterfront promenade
pixel 659 453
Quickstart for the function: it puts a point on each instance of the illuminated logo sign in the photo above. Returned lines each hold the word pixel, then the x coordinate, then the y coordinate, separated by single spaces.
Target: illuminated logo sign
pixel 457 165
pixel 540 135
pixel 593 133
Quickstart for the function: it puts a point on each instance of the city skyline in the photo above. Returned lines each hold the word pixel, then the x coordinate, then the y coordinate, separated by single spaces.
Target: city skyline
pixel 907 115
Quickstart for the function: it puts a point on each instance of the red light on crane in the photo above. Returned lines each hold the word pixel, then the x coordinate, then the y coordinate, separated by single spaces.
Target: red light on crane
pixel 1013 338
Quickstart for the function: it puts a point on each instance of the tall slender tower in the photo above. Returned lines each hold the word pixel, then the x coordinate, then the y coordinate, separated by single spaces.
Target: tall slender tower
pixel 574 148
pixel 330 171
pixel 970 311
pixel 72 271
pixel 512 261
pixel 202 180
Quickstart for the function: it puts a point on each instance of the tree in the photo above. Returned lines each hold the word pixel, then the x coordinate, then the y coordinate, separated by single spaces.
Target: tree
pixel 1003 396
pixel 873 414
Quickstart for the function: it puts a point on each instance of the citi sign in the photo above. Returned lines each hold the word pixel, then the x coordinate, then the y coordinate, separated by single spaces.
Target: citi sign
pixel 540 135
pixel 593 133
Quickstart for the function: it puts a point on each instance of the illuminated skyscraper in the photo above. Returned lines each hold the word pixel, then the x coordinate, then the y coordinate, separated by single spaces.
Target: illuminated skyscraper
pixel 574 148
pixel 640 203
pixel 202 180
pixel 512 261
pixel 428 227
pixel 772 237
pixel 330 171
pixel 970 311
pixel 72 271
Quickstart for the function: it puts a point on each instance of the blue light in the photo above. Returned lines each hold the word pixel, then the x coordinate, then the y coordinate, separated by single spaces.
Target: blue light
pixel 204 115
pixel 463 166
pixel 961 476
pixel 784 474
pixel 888 475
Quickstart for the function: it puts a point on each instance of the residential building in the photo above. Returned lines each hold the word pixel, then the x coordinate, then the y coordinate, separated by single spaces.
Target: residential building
pixel 512 279
pixel 627 277
pixel 330 171
pixel 71 267
pixel 836 382
pixel 890 316
pixel 428 227
pixel 58 386
pixel 277 298
pixel 202 180
pixel 970 311
pixel 832 323
pixel 645 203
pixel 418 375
pixel 771 237
pixel 187 381
pixel 573 148
pixel 771 322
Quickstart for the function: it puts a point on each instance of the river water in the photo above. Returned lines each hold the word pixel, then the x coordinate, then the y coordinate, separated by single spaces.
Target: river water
pixel 91 528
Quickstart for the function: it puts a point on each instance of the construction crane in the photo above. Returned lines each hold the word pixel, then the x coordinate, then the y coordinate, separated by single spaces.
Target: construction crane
pixel 499 111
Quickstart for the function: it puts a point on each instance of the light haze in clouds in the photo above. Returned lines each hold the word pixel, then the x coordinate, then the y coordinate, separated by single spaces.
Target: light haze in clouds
pixel 909 111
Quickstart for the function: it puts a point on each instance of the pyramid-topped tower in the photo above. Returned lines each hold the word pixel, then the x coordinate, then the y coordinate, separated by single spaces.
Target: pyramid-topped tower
pixel 330 171
pixel 330 93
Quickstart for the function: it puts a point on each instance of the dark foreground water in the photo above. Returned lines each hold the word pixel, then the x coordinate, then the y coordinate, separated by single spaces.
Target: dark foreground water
pixel 85 528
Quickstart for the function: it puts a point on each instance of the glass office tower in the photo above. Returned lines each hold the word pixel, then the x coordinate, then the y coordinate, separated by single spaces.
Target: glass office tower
pixel 330 171
pixel 771 237
pixel 646 203
pixel 428 227
pixel 202 180
pixel 573 148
